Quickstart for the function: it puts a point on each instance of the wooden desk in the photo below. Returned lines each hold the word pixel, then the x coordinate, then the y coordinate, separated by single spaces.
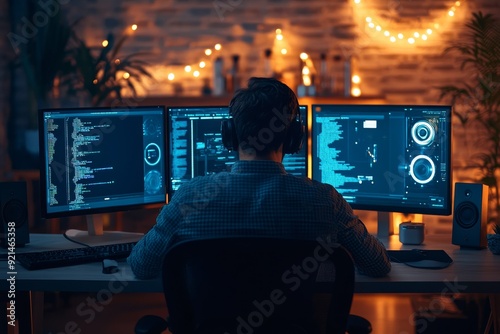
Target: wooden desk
pixel 473 271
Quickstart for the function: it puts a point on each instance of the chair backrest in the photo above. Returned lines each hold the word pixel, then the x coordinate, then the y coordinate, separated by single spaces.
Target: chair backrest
pixel 258 285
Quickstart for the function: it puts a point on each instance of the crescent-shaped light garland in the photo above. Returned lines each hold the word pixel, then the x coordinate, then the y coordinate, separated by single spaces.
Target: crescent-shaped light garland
pixel 416 35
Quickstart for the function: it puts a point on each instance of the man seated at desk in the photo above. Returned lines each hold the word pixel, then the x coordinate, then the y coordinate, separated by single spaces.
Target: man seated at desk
pixel 258 197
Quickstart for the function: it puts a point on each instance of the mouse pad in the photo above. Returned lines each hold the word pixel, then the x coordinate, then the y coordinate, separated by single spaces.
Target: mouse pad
pixel 421 258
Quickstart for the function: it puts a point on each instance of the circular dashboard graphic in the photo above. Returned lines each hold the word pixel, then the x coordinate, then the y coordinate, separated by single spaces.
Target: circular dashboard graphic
pixel 152 154
pixel 152 182
pixel 423 133
pixel 422 169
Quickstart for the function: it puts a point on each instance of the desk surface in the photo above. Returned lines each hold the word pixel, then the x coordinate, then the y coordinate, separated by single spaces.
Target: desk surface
pixel 473 271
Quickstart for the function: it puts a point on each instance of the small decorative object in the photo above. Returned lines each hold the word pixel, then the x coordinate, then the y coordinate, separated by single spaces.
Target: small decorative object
pixel 494 240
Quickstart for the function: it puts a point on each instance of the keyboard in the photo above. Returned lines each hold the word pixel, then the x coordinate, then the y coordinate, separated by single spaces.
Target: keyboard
pixel 73 256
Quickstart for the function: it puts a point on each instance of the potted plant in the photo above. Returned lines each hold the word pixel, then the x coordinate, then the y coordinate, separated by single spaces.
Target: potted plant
pixel 102 73
pixel 476 100
pixel 494 240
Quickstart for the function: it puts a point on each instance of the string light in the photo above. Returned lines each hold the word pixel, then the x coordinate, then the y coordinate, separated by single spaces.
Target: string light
pixel 134 27
pixel 217 47
pixel 187 68
pixel 416 36
pixel 171 76
pixel 105 43
pixel 208 52
pixel 126 75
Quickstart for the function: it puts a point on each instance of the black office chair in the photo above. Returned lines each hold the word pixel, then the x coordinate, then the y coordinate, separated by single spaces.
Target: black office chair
pixel 256 285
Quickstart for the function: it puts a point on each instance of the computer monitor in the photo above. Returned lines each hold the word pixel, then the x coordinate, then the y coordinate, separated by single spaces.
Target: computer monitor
pixel 100 160
pixel 385 158
pixel 196 148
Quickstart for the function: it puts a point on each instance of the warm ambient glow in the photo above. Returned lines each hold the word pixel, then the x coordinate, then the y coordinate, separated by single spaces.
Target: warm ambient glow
pixel 134 27
pixel 304 56
pixel 187 68
pixel 217 47
pixel 208 52
pixel 279 37
pixel 196 74
pixel 171 76
pixel 284 51
pixel 202 64
pixel 377 26
pixel 356 92
pixel 356 79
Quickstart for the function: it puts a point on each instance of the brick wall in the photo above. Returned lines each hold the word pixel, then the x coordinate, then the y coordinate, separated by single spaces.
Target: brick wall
pixel 175 33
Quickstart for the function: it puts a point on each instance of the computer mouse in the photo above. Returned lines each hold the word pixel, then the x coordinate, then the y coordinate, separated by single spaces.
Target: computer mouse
pixel 109 266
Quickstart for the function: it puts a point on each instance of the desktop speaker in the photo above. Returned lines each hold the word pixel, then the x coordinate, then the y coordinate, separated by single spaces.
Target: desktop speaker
pixel 470 215
pixel 14 225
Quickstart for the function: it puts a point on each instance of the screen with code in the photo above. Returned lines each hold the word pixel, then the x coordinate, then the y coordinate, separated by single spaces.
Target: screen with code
pixel 102 159
pixel 385 157
pixel 196 149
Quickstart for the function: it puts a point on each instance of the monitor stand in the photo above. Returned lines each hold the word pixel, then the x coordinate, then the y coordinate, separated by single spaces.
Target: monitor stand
pixel 385 225
pixel 95 234
pixel 387 220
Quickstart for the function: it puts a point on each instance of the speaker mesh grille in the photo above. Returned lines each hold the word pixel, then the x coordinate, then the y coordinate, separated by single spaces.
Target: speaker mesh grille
pixel 466 214
pixel 14 211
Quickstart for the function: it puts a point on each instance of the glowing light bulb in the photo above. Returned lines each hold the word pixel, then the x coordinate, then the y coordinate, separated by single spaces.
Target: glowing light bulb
pixel 305 70
pixel 278 31
pixel 356 79
pixel 304 56
pixel 451 13
pixel 357 2
pixel 356 91
pixel 387 33
pixel 416 34
pixel 187 68
pixel 378 28
pixel 392 39
pixel 284 51
pixel 368 19
pixel 424 37
pixel 126 75
pixel 411 40
pixel 134 27
pixel 457 3
pixel 208 52
pixel 196 74
pixel 279 37
pixel 429 31
pixel 171 76
pixel 400 36
pixel 371 25
pixel 217 47
pixel 202 64
pixel 117 61
pixel 105 43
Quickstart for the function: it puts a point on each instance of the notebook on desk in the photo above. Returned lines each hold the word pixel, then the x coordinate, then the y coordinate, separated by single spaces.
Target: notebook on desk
pixel 421 258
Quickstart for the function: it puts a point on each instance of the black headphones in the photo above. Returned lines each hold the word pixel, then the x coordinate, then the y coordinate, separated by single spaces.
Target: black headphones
pixel 292 143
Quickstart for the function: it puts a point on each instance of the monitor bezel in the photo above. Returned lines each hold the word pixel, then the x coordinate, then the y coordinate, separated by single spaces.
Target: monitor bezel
pixel 102 210
pixel 442 211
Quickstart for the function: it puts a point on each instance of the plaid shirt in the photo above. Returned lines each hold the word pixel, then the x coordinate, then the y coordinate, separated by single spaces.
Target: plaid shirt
pixel 257 198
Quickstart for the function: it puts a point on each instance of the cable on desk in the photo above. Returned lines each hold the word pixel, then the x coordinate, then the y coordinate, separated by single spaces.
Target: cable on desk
pixel 75 241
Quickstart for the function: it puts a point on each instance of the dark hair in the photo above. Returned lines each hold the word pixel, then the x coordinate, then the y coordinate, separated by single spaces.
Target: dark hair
pixel 262 113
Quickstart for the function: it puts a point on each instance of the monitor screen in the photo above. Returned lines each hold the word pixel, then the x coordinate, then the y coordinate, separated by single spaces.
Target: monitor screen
pixel 196 148
pixel 97 160
pixel 385 157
